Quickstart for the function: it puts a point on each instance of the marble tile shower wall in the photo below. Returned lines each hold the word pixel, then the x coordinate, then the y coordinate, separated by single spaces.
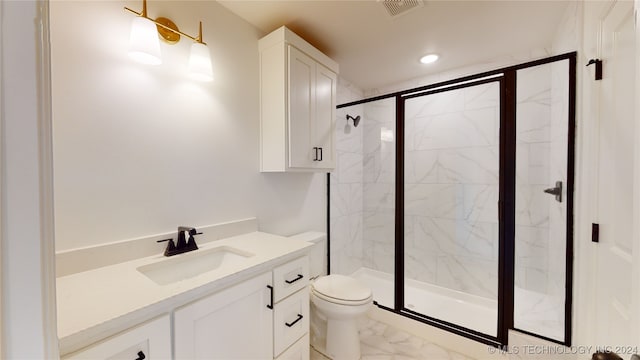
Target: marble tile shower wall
pixel 558 171
pixel 379 184
pixel 346 204
pixel 451 189
pixel 541 161
pixel 532 177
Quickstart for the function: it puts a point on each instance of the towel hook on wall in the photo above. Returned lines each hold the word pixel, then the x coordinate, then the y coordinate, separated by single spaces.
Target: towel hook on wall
pixel 598 64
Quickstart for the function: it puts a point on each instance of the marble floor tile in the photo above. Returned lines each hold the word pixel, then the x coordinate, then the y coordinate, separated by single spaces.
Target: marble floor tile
pixel 379 341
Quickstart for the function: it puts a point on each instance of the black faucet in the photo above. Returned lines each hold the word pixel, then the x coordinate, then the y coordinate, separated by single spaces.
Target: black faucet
pixel 182 245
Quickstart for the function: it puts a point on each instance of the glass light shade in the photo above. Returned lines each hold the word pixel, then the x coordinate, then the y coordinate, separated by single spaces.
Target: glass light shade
pixel 144 45
pixel 200 62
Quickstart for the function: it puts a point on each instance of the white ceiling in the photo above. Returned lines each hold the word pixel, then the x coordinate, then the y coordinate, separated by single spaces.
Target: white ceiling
pixel 375 49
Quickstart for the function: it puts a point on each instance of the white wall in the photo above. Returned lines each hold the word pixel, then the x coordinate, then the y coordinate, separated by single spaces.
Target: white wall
pixel 140 149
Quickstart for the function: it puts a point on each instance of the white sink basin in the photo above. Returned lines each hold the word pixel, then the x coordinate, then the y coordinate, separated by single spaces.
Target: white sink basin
pixel 188 265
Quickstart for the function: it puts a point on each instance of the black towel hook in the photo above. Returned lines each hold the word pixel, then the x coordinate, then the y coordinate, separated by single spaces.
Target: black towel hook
pixel 598 64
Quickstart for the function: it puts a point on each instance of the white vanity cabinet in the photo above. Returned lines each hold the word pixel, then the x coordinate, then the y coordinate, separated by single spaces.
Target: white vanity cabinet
pixel 235 323
pixel 297 105
pixel 149 341
pixel 261 318
pixel 248 307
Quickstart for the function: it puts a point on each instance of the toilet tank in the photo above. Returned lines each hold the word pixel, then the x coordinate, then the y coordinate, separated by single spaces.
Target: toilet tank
pixel 318 253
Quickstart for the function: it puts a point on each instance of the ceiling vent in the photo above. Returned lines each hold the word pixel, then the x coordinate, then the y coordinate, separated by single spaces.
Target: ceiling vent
pixel 400 7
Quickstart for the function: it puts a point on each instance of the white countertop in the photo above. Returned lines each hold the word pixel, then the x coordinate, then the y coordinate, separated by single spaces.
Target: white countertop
pixel 101 302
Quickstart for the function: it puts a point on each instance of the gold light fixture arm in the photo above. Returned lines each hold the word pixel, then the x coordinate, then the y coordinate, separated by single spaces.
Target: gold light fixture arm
pixel 175 30
pixel 199 39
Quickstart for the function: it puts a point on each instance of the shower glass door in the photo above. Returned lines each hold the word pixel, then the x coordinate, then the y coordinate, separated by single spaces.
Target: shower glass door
pixel 543 196
pixel 379 186
pixel 451 193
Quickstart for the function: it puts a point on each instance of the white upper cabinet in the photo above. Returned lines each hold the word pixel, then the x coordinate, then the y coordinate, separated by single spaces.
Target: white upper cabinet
pixel 297 105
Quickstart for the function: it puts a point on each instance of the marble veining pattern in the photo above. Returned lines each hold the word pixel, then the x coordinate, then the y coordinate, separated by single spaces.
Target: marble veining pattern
pixel 532 177
pixel 379 341
pixel 451 191
pixel 347 190
pixel 379 185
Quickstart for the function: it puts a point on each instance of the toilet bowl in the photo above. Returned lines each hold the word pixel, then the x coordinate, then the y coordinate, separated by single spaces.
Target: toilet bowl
pixel 336 303
pixel 340 300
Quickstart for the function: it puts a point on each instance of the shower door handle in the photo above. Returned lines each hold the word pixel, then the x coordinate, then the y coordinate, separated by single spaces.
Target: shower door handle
pixel 557 191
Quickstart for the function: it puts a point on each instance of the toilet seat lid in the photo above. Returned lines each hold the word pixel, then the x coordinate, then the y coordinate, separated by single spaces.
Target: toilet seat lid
pixel 341 287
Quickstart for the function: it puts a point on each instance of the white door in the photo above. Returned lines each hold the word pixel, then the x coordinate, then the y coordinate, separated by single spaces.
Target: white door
pixel 232 324
pixel 614 290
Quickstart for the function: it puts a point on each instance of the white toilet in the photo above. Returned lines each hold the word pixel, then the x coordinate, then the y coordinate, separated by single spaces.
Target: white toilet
pixel 336 303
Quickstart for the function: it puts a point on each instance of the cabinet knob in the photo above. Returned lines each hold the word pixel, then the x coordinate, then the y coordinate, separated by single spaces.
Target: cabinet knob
pixel 141 356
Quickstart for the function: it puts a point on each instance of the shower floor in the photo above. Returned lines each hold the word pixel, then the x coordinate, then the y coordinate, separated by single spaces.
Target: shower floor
pixel 536 313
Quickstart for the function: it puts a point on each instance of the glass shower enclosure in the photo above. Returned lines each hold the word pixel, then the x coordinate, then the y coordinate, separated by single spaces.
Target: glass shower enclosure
pixel 453 201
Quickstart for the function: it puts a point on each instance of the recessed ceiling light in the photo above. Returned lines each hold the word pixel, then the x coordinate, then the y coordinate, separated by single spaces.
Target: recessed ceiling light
pixel 428 59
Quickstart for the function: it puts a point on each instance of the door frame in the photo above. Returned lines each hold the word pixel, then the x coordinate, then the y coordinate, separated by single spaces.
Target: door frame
pixel 587 289
pixel 31 205
pixel 636 226
pixel 506 249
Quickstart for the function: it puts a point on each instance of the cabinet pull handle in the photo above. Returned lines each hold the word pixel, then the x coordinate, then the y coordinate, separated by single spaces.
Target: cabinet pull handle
pixel 141 356
pixel 294 321
pixel 320 154
pixel 270 305
pixel 315 154
pixel 294 280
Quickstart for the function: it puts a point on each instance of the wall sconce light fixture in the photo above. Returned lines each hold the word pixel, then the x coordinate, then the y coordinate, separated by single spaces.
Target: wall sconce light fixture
pixel 144 45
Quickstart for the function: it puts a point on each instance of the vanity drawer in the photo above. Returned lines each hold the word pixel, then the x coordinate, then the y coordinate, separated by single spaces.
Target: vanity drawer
pixel 290 320
pixel 298 351
pixel 290 277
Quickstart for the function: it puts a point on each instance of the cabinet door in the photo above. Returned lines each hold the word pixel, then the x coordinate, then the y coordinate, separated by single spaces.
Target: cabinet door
pixel 151 340
pixel 232 324
pixel 301 109
pixel 325 116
